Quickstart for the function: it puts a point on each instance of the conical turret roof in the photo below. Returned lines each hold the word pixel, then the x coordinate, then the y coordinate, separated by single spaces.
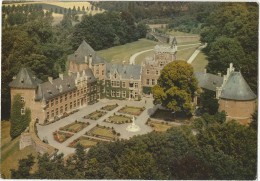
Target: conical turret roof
pixel 236 88
pixel 25 79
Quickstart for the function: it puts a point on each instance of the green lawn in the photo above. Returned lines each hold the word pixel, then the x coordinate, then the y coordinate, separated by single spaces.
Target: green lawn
pixel 184 53
pixel 74 127
pixel 102 132
pixel 95 115
pixel 61 136
pixel 10 153
pixel 109 107
pixel 179 33
pixel 200 62
pixel 119 119
pixel 132 110
pixel 121 53
pixel 159 126
pixel 84 141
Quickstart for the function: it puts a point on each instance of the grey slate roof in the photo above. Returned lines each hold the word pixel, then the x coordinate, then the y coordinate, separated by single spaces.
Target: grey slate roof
pixel 59 86
pixel 85 50
pixel 125 70
pixel 208 81
pixel 25 79
pixel 236 88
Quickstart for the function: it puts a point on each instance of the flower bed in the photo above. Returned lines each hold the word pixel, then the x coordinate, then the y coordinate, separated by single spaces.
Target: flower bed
pixel 103 132
pixel 61 136
pixel 109 107
pixel 119 119
pixel 95 115
pixel 136 111
pixel 74 127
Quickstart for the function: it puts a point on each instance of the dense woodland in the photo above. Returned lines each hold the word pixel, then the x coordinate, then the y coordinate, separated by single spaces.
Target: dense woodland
pixel 218 150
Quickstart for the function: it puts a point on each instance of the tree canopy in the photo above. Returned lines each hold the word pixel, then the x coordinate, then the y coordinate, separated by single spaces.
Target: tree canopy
pixel 176 87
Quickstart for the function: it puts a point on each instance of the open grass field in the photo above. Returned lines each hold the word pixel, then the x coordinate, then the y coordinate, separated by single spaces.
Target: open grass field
pixel 136 111
pixel 10 153
pixel 179 33
pixel 200 62
pixel 84 141
pixel 119 119
pixel 184 53
pixel 121 53
pixel 74 127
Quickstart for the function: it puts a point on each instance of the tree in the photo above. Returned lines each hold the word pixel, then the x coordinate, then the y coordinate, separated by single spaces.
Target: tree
pixel 24 168
pixel 20 117
pixel 176 87
pixel 223 52
pixel 254 121
pixel 209 102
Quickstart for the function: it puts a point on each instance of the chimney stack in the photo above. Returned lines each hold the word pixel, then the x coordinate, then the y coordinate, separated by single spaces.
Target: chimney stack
pixel 50 80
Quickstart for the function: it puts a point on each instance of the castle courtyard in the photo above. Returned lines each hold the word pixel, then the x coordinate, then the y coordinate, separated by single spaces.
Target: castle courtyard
pixel 46 132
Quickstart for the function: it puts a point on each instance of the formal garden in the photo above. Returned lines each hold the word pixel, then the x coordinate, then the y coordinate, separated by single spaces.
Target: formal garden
pixel 75 127
pixel 109 107
pixel 103 132
pixel 136 111
pixel 159 126
pixel 86 142
pixel 118 119
pixel 61 136
pixel 95 115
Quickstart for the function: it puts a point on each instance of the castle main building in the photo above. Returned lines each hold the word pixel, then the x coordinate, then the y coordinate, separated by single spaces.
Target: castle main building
pixel 91 78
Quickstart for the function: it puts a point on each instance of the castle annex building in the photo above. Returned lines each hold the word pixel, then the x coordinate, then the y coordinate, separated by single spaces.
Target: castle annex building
pixel 91 78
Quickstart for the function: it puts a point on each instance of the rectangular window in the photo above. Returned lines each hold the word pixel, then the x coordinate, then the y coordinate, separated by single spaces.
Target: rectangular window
pixel 61 109
pixel 78 102
pixel 57 111
pixel 22 111
pixel 74 93
pixel 81 91
pixel 157 72
pixel 131 84
pixel 123 84
pixel 147 81
pixel 61 99
pixel 153 82
pixel 97 71
pixel 66 107
pixel 102 72
pixel 117 93
pixel 78 93
pixel 56 101
pixel 136 85
pixel 113 93
pixel 85 89
pixel 117 83
pixel 75 104
pixel 52 102
pixel 52 113
pixel 65 97
pixel 124 94
pixel 147 71
pixel 70 105
pixel 22 99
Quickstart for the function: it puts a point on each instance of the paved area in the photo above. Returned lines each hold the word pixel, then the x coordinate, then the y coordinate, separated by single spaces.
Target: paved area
pixel 46 132
pixel 194 55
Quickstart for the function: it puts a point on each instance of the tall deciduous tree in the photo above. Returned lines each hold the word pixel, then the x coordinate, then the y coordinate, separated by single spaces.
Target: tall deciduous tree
pixel 176 87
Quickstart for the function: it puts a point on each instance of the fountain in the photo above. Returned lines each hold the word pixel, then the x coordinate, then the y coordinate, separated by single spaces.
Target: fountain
pixel 133 127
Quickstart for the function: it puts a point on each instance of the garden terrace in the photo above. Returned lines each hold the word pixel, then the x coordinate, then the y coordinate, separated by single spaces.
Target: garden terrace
pixel 61 136
pixel 159 126
pixel 103 132
pixel 95 115
pixel 74 127
pixel 109 107
pixel 84 141
pixel 136 111
pixel 118 119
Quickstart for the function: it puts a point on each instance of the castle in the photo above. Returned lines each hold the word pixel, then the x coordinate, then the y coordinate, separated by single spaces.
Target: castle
pixel 91 78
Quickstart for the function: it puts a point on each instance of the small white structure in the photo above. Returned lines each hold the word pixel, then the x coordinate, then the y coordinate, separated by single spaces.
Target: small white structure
pixel 133 127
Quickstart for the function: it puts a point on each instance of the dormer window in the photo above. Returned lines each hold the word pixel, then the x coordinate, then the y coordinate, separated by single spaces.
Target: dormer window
pixel 22 99
pixel 115 75
pixel 22 111
pixel 22 81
